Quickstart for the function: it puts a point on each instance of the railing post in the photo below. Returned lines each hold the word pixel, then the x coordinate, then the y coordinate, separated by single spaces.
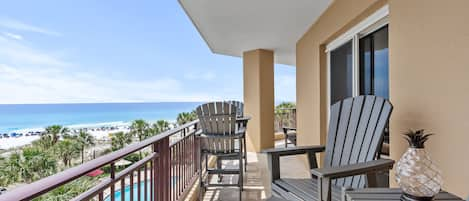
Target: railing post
pixel 156 166
pixel 162 165
pixel 197 150
pixel 113 176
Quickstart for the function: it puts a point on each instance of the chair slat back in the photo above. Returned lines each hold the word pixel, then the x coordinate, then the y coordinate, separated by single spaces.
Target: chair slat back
pixel 239 107
pixel 356 129
pixel 218 122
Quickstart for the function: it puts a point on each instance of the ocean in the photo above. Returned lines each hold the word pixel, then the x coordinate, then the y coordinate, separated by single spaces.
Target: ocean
pixel 15 117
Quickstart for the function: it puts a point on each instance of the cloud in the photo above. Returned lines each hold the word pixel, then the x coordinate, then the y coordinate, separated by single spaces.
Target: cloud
pixel 35 86
pixel 17 25
pixel 14 52
pixel 29 75
pixel 13 36
pixel 205 76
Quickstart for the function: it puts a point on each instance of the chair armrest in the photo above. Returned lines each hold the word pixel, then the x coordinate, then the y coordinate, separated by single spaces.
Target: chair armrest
pixel 273 157
pixel 294 150
pixel 289 129
pixel 235 136
pixel 326 175
pixel 243 118
pixel 241 131
pixel 354 169
pixel 242 122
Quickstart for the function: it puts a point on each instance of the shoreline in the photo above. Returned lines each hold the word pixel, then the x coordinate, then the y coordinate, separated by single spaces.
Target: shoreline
pixel 100 131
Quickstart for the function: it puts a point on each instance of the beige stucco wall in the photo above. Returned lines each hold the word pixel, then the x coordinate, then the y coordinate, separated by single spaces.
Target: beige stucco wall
pixel 429 72
pixel 311 65
pixel 429 77
pixel 258 73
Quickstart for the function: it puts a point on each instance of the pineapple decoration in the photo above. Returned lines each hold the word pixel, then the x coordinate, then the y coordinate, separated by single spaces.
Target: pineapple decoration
pixel 416 174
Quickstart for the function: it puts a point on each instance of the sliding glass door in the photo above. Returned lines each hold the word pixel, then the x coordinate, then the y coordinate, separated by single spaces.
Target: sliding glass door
pixel 374 64
pixel 341 72
pixel 360 66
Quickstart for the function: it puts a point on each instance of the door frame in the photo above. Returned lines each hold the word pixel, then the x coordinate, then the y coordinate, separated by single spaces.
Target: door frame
pixel 375 21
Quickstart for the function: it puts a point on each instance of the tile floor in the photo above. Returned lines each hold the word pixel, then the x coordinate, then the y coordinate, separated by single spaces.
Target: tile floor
pixel 257 178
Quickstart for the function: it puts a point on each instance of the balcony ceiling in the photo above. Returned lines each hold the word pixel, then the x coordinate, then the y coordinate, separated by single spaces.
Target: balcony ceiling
pixel 230 27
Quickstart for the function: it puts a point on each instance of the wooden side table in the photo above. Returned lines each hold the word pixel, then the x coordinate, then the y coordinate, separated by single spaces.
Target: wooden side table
pixel 389 194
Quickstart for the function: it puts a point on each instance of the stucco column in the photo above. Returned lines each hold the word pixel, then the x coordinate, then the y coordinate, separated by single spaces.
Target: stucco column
pixel 258 80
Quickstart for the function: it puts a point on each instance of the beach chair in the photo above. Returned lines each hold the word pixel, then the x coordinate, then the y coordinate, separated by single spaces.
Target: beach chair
pixel 239 107
pixel 355 132
pixel 241 123
pixel 289 136
pixel 218 137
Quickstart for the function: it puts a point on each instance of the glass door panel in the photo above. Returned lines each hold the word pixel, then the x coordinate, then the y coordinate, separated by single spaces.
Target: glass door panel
pixel 374 67
pixel 341 72
pixel 374 64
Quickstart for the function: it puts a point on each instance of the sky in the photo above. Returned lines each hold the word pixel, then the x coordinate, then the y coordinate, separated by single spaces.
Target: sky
pixel 55 51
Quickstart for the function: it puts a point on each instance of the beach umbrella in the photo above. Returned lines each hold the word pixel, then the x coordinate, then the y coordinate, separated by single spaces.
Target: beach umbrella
pixel 122 162
pixel 95 173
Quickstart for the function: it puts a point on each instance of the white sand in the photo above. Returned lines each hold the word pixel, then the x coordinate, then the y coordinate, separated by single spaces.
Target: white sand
pixel 94 129
pixel 7 143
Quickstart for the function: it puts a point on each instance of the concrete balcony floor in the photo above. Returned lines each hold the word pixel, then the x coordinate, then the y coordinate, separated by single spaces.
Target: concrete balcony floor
pixel 257 177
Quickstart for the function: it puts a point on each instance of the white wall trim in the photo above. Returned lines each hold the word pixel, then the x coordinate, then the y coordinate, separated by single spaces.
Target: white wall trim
pixel 363 25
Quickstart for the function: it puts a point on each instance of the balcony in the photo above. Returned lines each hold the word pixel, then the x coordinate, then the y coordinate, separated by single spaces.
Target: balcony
pixel 168 172
pixel 425 78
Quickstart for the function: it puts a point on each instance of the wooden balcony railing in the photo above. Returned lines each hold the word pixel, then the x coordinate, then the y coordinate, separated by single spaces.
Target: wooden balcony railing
pixel 167 173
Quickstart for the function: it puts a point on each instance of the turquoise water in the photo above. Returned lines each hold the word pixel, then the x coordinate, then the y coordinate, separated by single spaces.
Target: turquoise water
pixel 31 116
pixel 118 195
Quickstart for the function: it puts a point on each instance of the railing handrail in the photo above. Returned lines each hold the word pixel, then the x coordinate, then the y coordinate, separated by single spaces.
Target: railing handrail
pixel 44 185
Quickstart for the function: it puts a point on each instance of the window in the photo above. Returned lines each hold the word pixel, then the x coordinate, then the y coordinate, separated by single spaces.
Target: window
pixel 358 59
pixel 341 68
pixel 374 64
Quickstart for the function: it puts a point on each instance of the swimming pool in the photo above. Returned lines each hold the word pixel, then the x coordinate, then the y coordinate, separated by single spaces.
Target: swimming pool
pixel 117 193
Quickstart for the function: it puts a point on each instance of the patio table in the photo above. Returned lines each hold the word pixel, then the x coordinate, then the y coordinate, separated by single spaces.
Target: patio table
pixel 388 194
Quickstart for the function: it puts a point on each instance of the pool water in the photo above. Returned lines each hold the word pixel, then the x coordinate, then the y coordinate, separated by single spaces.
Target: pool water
pixel 117 193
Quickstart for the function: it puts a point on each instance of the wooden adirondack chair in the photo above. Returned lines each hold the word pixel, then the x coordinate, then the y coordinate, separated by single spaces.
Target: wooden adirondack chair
pixel 242 123
pixel 239 107
pixel 355 132
pixel 220 137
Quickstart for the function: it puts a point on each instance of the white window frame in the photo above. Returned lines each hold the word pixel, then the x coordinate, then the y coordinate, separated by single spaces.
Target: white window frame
pixel 372 23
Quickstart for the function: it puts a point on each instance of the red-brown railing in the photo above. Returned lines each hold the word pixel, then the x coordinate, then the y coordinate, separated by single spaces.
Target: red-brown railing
pixel 167 173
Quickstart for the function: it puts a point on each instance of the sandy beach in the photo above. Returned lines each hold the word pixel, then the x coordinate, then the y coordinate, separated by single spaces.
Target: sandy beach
pixel 100 131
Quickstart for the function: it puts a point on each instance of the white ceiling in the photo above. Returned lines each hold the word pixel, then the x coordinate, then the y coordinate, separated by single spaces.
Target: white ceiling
pixel 231 27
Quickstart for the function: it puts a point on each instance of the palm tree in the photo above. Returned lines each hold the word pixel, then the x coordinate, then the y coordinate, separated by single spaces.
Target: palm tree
pixel 140 129
pixel 69 190
pixel 44 142
pixel 119 140
pixel 282 112
pixel 186 117
pixel 33 164
pixel 67 149
pixel 36 164
pixel 84 139
pixel 55 131
pixel 159 127
pixel 10 170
